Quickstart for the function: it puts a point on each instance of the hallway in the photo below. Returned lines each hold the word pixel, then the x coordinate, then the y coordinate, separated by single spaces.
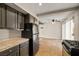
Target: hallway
pixel 49 47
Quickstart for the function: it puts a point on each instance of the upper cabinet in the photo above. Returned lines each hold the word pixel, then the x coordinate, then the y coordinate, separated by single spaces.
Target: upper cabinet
pixel 15 19
pixel 2 16
pixel 30 19
pixel 11 17
pixel 20 20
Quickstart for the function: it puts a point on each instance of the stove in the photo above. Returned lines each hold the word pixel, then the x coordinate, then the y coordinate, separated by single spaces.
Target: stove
pixel 72 47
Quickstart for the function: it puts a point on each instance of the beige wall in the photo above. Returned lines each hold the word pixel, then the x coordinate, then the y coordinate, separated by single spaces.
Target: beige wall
pixel 4 33
pixel 54 30
pixel 50 30
pixel 14 33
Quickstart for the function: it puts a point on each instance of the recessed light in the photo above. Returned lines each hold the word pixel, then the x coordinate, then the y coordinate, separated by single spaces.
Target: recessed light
pixel 40 4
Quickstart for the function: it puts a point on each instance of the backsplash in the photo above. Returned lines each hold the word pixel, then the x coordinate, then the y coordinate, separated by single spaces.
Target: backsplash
pixel 5 34
pixel 14 33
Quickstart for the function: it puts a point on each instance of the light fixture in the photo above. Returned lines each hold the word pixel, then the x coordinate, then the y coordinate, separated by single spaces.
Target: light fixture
pixel 55 20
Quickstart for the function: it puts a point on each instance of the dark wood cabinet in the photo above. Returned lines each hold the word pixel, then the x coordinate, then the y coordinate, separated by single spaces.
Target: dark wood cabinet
pixel 14 51
pixel 20 21
pixel 11 18
pixel 19 50
pixel 30 19
pixel 2 16
pixel 15 19
pixel 24 49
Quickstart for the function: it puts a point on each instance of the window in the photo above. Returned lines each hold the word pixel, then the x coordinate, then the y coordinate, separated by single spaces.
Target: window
pixel 67 30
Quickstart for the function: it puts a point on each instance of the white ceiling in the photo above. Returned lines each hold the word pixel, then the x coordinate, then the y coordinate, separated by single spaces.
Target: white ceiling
pixel 47 7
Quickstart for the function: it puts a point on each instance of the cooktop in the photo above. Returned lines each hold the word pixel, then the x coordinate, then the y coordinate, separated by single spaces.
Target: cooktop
pixel 74 44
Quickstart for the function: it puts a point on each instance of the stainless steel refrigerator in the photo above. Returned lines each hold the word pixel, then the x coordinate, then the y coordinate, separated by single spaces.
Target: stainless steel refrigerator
pixel 31 31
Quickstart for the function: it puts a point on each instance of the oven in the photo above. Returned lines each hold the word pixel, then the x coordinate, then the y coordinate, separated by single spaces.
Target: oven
pixel 70 48
pixel 65 52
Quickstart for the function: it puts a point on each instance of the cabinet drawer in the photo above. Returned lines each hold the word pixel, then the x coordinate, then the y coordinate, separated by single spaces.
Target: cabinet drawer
pixel 8 51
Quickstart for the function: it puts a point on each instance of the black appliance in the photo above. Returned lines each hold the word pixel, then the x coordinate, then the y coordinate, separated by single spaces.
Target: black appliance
pixel 71 47
pixel 31 31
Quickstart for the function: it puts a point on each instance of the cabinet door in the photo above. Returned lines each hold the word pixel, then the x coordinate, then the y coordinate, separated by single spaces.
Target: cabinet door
pixel 31 19
pixel 11 18
pixel 15 53
pixel 26 18
pixel 2 16
pixel 24 49
pixel 20 21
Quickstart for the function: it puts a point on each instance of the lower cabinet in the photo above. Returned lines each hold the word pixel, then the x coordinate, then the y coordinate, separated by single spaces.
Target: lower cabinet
pixel 14 51
pixel 19 50
pixel 24 49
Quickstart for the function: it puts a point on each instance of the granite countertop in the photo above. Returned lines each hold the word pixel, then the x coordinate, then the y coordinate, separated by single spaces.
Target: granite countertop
pixel 9 43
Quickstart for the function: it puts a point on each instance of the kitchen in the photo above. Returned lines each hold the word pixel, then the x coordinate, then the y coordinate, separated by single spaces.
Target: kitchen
pixel 24 34
pixel 12 22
